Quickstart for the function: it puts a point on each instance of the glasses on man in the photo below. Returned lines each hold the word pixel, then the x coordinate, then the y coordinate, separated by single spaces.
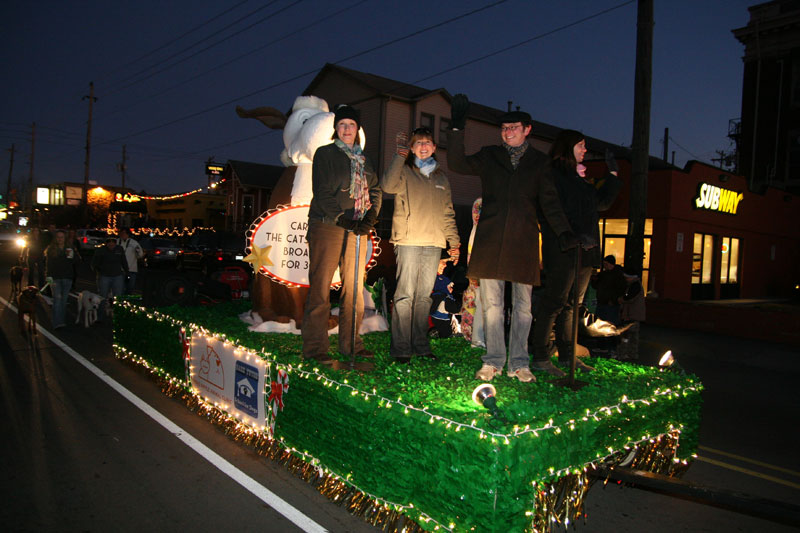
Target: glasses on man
pixel 510 128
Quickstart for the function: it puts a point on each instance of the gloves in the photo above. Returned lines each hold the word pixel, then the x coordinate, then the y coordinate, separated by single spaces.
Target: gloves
pixel 401 139
pixel 567 241
pixel 458 111
pixel 363 228
pixel 347 223
pixel 49 280
pixel 611 163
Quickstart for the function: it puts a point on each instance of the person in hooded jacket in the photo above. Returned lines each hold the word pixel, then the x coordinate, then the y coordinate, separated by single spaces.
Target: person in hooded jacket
pixel 581 199
pixel 424 223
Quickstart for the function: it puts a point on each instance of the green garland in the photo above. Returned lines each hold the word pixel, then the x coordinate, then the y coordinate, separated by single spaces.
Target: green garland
pixel 411 435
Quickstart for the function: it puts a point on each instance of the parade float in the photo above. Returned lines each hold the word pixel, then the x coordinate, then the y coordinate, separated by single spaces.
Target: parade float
pixel 409 447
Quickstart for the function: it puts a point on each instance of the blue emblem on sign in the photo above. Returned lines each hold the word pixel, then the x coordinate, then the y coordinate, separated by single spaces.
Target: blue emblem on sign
pixel 245 394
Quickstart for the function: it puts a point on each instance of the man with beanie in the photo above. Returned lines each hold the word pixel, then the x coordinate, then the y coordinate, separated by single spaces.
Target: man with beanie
pixel 516 186
pixel 345 206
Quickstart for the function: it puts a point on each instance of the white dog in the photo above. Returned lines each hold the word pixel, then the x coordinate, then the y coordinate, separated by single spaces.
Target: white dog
pixel 89 303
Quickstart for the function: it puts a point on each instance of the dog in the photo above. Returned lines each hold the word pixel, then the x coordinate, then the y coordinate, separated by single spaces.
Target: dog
pixel 88 303
pixel 26 305
pixel 15 274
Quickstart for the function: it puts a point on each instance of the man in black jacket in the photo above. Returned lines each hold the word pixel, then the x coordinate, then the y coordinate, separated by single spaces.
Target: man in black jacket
pixel 516 184
pixel 111 267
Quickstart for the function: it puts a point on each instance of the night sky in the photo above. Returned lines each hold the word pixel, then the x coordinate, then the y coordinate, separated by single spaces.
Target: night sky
pixel 168 75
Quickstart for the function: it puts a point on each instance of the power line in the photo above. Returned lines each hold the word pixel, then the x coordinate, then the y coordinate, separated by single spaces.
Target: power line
pixel 671 138
pixel 176 39
pixel 115 90
pixel 291 33
pixel 308 73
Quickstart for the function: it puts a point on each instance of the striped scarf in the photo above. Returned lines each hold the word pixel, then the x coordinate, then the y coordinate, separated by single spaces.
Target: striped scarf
pixel 516 153
pixel 359 189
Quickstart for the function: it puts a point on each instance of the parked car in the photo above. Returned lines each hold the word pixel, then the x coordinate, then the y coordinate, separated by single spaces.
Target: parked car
pixel 210 251
pixel 159 251
pixel 90 239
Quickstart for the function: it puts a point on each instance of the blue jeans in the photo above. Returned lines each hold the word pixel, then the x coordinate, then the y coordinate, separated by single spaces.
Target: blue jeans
pixel 416 275
pixel 60 288
pixel 492 298
pixel 114 284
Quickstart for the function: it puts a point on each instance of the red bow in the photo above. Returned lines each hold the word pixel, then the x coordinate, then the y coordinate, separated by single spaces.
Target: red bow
pixel 186 345
pixel 276 394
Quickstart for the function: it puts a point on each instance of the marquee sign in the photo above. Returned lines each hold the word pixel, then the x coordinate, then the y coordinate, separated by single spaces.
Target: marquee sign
pixel 715 198
pixel 278 248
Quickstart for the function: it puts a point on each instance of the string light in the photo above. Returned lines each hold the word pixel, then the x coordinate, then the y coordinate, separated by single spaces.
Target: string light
pixel 557 497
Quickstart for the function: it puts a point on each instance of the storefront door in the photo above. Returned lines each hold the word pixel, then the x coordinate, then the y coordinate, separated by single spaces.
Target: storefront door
pixel 703 267
pixel 715 259
pixel 729 268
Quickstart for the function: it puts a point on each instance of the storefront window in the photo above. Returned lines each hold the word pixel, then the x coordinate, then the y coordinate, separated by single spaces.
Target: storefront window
pixel 708 256
pixel 613 232
pixel 725 260
pixel 733 274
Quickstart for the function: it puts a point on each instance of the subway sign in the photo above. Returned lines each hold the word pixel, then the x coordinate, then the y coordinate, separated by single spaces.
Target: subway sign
pixel 715 198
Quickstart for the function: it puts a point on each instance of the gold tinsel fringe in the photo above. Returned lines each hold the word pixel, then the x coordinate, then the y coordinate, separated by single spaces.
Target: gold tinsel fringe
pixel 344 495
pixel 557 504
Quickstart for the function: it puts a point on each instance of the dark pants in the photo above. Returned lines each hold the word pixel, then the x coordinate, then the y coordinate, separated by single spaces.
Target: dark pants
pixel 330 247
pixel 36 271
pixel 554 308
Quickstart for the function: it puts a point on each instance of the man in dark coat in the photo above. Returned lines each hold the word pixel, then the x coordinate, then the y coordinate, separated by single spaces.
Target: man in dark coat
pixel 516 184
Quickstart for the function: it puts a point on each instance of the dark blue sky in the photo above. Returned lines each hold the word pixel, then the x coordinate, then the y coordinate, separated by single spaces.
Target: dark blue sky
pixel 168 75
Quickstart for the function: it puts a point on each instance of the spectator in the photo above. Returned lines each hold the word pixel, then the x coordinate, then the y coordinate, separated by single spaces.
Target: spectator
pixel 610 286
pixel 632 312
pixel 111 267
pixel 471 308
pixel 60 260
pixel 443 305
pixel 133 252
pixel 32 256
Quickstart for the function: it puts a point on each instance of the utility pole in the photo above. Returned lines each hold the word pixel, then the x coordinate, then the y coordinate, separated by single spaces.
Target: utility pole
pixel 10 172
pixel 30 176
pixel 123 166
pixel 666 143
pixel 640 153
pixel 92 100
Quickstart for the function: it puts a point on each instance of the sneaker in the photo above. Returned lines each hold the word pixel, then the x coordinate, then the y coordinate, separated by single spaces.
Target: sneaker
pixel 523 374
pixel 550 368
pixel 486 373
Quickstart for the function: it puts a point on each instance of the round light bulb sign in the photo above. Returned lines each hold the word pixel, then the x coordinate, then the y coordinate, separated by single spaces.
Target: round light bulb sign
pixel 277 239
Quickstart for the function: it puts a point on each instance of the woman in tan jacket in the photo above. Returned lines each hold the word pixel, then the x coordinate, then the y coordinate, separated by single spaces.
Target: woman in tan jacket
pixel 422 225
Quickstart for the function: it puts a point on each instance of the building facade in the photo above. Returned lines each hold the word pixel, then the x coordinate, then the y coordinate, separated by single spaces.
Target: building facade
pixel 768 135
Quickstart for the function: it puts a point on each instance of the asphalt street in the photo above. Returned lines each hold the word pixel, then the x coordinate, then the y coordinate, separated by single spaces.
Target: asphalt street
pixel 91 444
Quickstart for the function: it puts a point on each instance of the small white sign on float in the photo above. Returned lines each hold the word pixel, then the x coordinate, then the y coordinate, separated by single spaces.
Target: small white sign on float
pixel 229 377
pixel 281 235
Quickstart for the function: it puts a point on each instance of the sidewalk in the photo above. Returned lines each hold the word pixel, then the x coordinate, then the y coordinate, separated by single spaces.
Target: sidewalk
pixel 771 320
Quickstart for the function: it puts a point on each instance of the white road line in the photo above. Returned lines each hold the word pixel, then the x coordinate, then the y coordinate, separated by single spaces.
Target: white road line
pixel 259 491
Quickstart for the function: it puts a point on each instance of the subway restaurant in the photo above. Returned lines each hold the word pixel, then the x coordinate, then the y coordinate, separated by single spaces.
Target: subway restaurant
pixel 707 237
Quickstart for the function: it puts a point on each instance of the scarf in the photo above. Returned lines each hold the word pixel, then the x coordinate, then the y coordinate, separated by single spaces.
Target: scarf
pixel 426 166
pixel 359 190
pixel 516 153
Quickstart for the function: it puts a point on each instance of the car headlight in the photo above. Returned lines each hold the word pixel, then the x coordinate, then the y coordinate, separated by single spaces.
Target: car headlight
pixel 21 242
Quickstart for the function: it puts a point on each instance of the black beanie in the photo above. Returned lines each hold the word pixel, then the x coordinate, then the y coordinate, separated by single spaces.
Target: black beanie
pixel 345 111
pixel 515 116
